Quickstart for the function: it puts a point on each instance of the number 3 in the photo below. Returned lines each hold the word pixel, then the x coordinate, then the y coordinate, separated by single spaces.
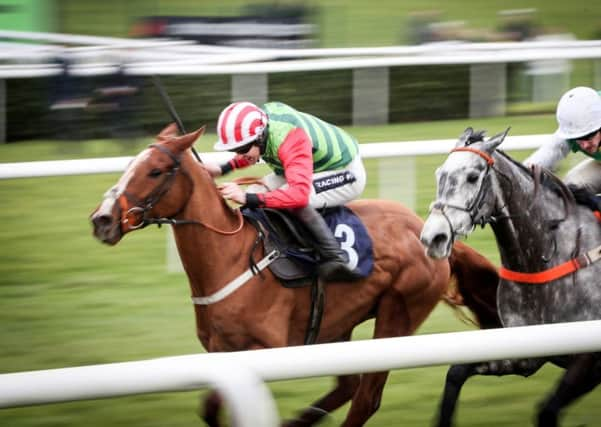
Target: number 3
pixel 347 235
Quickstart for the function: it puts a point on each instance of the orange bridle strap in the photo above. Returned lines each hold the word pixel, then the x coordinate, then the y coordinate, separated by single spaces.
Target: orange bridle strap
pixel 542 276
pixel 568 267
pixel 489 160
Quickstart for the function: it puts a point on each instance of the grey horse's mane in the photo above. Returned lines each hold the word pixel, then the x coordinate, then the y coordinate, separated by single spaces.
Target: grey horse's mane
pixel 546 177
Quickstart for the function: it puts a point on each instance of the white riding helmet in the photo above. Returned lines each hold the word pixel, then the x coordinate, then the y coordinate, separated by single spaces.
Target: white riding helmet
pixel 578 113
pixel 239 124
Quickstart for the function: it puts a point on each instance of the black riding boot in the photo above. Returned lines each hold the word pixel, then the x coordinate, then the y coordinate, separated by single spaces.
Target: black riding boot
pixel 332 266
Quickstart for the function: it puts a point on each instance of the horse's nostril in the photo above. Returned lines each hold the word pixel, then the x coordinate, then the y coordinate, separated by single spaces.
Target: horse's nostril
pixel 439 239
pixel 101 221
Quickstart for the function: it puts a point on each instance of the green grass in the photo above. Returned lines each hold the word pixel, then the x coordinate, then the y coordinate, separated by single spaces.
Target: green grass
pixel 66 300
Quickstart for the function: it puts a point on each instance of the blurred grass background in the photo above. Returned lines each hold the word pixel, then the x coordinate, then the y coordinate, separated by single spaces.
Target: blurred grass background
pixel 67 300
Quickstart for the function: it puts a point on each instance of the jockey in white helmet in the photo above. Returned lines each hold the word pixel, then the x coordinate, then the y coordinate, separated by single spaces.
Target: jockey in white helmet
pixel 579 130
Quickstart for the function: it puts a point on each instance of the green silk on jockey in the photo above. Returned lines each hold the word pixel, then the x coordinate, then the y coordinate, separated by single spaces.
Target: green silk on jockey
pixel 333 148
pixel 575 147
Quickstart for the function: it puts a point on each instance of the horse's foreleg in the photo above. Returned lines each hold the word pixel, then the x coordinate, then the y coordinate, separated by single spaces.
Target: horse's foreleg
pixel 583 375
pixel 211 407
pixel 342 393
pixel 367 399
pixel 392 319
pixel 457 375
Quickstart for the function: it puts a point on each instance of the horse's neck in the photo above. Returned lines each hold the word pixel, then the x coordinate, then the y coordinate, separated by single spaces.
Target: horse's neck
pixel 524 211
pixel 208 255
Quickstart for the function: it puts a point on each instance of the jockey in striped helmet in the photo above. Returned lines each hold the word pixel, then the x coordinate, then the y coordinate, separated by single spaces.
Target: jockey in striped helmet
pixel 315 165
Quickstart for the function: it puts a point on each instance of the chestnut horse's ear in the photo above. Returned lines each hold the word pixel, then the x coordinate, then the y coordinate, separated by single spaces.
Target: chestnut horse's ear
pixel 169 131
pixel 200 131
pixel 186 141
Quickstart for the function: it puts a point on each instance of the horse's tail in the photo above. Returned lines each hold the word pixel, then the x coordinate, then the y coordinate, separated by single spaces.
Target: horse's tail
pixel 475 285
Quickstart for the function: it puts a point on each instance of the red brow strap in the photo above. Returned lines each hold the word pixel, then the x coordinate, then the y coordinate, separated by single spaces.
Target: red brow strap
pixel 482 154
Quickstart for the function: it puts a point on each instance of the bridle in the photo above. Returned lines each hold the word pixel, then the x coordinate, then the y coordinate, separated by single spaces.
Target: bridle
pixel 475 206
pixel 140 211
pixel 141 208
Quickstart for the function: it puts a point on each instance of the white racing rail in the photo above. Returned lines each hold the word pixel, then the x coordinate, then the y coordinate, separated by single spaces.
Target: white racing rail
pixel 234 374
pixel 374 150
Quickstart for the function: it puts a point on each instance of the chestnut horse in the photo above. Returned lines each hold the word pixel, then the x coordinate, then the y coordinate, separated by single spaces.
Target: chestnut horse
pixel 215 242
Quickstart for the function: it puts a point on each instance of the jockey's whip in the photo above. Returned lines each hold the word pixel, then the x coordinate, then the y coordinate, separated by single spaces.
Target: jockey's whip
pixel 171 109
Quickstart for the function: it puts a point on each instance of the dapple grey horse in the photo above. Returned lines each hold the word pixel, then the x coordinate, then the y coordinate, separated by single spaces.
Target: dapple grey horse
pixel 548 245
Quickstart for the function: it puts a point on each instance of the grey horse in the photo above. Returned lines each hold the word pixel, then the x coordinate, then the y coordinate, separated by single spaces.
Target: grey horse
pixel 548 244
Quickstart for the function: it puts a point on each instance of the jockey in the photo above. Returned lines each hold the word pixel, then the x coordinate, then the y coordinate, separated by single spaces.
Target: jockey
pixel 579 119
pixel 315 165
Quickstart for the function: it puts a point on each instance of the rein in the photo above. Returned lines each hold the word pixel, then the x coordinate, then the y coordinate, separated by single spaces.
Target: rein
pixel 173 221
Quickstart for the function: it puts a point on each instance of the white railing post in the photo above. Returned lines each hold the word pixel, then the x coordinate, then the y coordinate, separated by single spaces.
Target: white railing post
pixel 250 87
pixel 370 96
pixel 488 90
pixel 2 110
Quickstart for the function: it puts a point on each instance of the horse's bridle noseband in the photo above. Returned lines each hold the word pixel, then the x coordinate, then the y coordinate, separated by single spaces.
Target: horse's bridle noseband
pixel 473 209
pixel 142 207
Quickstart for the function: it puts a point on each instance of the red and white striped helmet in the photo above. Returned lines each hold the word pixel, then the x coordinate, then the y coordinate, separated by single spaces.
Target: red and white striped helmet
pixel 239 124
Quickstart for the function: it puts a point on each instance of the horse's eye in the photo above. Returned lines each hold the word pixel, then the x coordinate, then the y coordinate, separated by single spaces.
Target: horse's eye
pixel 472 177
pixel 155 173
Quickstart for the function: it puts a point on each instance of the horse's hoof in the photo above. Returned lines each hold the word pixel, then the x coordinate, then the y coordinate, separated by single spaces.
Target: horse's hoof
pixel 547 419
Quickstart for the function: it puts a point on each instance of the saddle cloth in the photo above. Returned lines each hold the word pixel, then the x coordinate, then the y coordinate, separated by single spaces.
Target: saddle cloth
pixel 297 263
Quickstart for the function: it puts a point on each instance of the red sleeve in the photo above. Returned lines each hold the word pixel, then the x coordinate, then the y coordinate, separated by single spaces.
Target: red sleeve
pixel 296 155
pixel 238 162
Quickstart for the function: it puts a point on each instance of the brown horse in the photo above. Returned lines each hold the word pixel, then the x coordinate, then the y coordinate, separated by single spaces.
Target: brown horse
pixel 214 243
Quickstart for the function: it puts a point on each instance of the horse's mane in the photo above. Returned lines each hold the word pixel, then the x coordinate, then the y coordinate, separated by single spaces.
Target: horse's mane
pixel 475 136
pixel 540 174
pixel 546 178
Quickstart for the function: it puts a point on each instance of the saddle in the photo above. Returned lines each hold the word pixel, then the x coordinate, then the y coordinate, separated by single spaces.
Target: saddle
pixel 296 262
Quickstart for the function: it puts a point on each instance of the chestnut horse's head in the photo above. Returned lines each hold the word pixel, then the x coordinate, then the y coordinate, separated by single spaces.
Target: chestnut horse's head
pixel 152 186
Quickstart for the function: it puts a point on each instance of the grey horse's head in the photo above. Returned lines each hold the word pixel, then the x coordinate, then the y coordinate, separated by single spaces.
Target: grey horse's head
pixel 463 199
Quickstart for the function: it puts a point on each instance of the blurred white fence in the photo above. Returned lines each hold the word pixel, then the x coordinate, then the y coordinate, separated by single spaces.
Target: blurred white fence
pixel 395 165
pixel 249 67
pixel 182 373
pixel 372 150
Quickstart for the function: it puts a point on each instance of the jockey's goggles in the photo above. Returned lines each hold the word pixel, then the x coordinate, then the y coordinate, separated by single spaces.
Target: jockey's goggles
pixel 244 149
pixel 588 136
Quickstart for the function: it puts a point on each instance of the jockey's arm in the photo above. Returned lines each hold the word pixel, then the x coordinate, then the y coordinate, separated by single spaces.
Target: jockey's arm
pixel 296 155
pixel 549 154
pixel 236 162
